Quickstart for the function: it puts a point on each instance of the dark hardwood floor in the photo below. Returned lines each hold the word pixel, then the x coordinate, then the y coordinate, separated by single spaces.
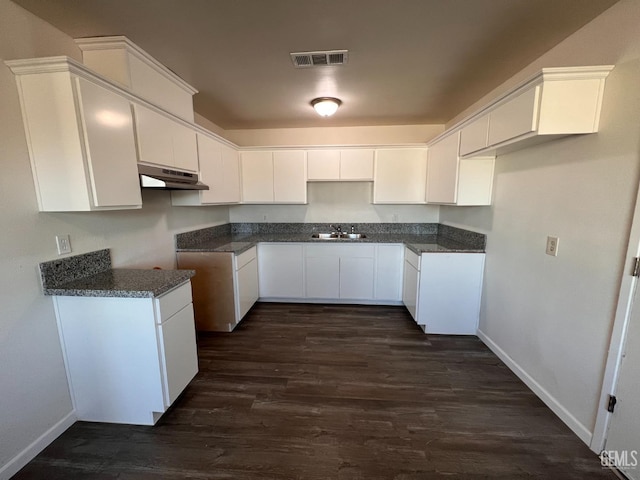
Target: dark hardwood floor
pixel 334 392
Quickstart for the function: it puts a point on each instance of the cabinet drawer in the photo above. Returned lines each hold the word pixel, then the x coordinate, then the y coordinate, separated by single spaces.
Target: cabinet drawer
pixel 245 257
pixel 412 258
pixel 172 302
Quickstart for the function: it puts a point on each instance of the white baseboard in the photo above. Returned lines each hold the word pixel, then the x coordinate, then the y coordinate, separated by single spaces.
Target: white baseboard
pixel 25 456
pixel 572 422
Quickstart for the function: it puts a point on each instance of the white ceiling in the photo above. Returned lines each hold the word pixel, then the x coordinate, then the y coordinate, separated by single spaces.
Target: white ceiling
pixel 410 61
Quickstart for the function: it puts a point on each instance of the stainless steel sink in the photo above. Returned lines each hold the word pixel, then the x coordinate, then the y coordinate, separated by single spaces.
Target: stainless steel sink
pixel 326 236
pixel 335 236
pixel 354 235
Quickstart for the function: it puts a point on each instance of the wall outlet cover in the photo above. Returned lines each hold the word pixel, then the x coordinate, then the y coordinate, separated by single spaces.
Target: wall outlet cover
pixel 552 246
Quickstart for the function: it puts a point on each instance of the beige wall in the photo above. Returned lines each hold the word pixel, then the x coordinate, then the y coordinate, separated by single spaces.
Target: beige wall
pixel 553 316
pixel 35 395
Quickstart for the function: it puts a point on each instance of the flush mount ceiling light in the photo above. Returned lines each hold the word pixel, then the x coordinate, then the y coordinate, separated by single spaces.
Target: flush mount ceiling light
pixel 325 106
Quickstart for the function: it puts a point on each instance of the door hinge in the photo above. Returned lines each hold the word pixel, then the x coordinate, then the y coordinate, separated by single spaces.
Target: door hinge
pixel 636 267
pixel 611 404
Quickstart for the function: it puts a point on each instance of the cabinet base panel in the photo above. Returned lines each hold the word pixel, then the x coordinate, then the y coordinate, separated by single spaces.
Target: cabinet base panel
pixel 339 301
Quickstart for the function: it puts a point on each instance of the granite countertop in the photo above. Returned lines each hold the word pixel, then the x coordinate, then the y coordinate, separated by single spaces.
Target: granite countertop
pixel 122 282
pixel 91 275
pixel 238 243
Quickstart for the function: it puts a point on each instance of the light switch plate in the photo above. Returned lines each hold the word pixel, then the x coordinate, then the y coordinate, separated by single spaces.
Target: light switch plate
pixel 552 246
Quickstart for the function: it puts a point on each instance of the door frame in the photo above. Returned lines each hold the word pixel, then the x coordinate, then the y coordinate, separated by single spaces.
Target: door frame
pixel 628 286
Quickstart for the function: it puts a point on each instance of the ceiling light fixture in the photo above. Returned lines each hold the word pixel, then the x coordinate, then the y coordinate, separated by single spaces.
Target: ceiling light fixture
pixel 325 106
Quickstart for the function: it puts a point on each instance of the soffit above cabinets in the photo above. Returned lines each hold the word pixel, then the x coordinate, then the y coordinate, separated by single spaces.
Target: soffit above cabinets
pixel 409 61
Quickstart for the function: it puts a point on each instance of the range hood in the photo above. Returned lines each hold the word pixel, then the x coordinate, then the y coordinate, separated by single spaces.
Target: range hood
pixel 167 179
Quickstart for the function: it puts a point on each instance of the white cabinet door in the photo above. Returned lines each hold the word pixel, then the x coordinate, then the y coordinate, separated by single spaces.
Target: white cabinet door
pixel 280 269
pixel 474 136
pixel 177 339
pixel 388 279
pixel 323 165
pixel 111 148
pixel 356 271
pixel 356 277
pixel 230 191
pixel 410 288
pixel 154 134
pixel 516 117
pixel 400 176
pixel 442 172
pixel 211 168
pixel 185 150
pixel 163 141
pixel 247 291
pixel 322 272
pixel 449 292
pixel 289 176
pixel 257 177
pixel 356 164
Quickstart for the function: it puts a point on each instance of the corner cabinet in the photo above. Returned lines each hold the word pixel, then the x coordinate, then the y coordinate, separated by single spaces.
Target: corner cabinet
pixel 224 289
pixel 400 176
pixel 274 176
pixel 442 291
pixel 455 181
pixel 219 169
pixel 80 137
pixel 553 103
pixel 130 361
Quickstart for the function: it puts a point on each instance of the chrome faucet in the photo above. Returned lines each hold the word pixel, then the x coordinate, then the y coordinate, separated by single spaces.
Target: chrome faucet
pixel 338 229
pixel 353 229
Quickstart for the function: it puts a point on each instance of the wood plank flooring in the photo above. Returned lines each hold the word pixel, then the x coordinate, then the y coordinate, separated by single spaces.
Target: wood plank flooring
pixel 334 392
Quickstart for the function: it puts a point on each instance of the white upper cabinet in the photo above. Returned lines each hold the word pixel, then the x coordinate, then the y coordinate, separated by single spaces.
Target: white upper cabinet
pixel 323 165
pixel 165 141
pixel 455 181
pixel 274 177
pixel 442 176
pixel 354 164
pixel 257 177
pixel 80 137
pixel 289 176
pixel 555 102
pixel 473 136
pixel 122 61
pixel 219 169
pixel 400 175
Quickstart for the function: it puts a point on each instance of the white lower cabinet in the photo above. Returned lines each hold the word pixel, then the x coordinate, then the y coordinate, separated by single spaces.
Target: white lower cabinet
pixel 127 359
pixel 224 289
pixel 411 278
pixel 280 272
pixel 246 282
pixel 449 288
pixel 334 272
pixel 339 272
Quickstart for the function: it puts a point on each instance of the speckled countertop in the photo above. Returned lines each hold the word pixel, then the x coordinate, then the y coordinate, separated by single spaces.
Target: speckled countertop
pixel 238 238
pixel 91 275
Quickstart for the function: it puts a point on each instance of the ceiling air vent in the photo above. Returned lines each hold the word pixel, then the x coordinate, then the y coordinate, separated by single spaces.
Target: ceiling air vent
pixel 319 59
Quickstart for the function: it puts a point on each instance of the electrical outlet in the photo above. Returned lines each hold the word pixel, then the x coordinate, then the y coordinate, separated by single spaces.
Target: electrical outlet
pixel 64 244
pixel 552 246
